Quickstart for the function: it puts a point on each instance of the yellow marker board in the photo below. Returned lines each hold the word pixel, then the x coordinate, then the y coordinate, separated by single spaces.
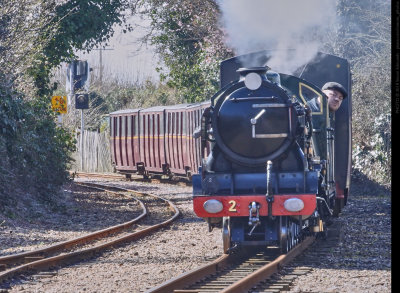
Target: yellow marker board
pixel 59 104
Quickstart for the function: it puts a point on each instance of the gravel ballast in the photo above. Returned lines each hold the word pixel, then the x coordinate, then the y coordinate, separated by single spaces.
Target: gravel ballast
pixel 360 263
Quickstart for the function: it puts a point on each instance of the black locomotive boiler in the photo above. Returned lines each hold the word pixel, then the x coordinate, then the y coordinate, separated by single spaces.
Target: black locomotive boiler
pixel 270 177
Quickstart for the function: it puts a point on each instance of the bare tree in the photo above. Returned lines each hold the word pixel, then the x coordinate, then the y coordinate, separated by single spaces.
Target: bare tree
pixel 22 24
pixel 364 38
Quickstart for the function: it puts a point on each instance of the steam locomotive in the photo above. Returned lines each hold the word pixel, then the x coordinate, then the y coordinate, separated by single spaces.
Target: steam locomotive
pixel 275 172
pixel 264 168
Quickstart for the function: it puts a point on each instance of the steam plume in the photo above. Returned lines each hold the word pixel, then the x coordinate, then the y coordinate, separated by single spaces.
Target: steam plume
pixel 278 25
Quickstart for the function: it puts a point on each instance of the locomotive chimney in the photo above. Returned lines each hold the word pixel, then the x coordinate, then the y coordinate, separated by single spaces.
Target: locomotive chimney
pixel 253 76
pixel 262 70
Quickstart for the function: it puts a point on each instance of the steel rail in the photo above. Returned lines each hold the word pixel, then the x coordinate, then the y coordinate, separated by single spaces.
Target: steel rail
pixel 15 258
pixel 70 257
pixel 177 284
pixel 194 275
pixel 101 175
pixel 154 178
pixel 268 270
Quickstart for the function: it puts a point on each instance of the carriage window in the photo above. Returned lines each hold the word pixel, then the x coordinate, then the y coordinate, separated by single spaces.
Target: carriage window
pixel 112 125
pixel 129 134
pixel 311 97
pixel 123 127
pixel 119 127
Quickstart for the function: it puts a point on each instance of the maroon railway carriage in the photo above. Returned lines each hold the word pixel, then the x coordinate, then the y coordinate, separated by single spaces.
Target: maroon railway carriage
pixel 150 141
pixel 194 155
pixel 176 139
pixel 124 136
pixel 157 140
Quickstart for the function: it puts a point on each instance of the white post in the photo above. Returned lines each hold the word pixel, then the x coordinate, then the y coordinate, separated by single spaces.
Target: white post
pixel 81 140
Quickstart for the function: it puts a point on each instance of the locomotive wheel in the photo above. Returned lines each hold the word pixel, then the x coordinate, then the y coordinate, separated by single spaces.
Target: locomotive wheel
pixel 226 234
pixel 339 203
pixel 290 238
pixel 289 234
pixel 298 233
pixel 284 242
pixel 293 234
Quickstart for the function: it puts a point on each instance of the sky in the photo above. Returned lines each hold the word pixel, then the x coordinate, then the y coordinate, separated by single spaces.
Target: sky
pixel 124 58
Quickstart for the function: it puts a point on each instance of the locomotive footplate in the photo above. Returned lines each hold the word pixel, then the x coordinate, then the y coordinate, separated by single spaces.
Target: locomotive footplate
pixel 238 205
pixel 255 183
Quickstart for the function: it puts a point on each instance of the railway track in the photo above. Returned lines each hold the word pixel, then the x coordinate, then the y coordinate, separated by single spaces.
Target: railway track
pixel 261 272
pixel 235 273
pixel 77 174
pixel 77 249
pixel 304 264
pixel 133 177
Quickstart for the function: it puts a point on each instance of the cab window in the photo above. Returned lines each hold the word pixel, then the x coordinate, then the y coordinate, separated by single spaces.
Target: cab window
pixel 311 97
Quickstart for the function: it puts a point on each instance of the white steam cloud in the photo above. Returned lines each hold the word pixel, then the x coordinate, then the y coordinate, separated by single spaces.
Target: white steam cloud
pixel 279 25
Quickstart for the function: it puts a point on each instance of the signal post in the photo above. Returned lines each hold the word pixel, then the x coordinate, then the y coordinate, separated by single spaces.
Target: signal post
pixel 78 78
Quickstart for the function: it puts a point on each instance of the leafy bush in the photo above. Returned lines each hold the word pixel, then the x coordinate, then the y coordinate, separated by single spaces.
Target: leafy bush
pixel 35 37
pixel 188 38
pixel 35 153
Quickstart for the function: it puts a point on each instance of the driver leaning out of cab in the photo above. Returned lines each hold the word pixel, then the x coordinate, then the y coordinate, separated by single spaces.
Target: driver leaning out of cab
pixel 335 93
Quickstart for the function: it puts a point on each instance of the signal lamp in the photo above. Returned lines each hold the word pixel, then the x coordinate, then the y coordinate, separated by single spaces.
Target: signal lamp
pixel 81 101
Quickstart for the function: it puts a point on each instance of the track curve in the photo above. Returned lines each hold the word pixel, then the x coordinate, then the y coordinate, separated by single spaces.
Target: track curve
pixel 45 258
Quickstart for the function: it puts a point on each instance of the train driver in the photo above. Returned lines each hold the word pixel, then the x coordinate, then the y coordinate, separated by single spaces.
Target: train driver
pixel 335 93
